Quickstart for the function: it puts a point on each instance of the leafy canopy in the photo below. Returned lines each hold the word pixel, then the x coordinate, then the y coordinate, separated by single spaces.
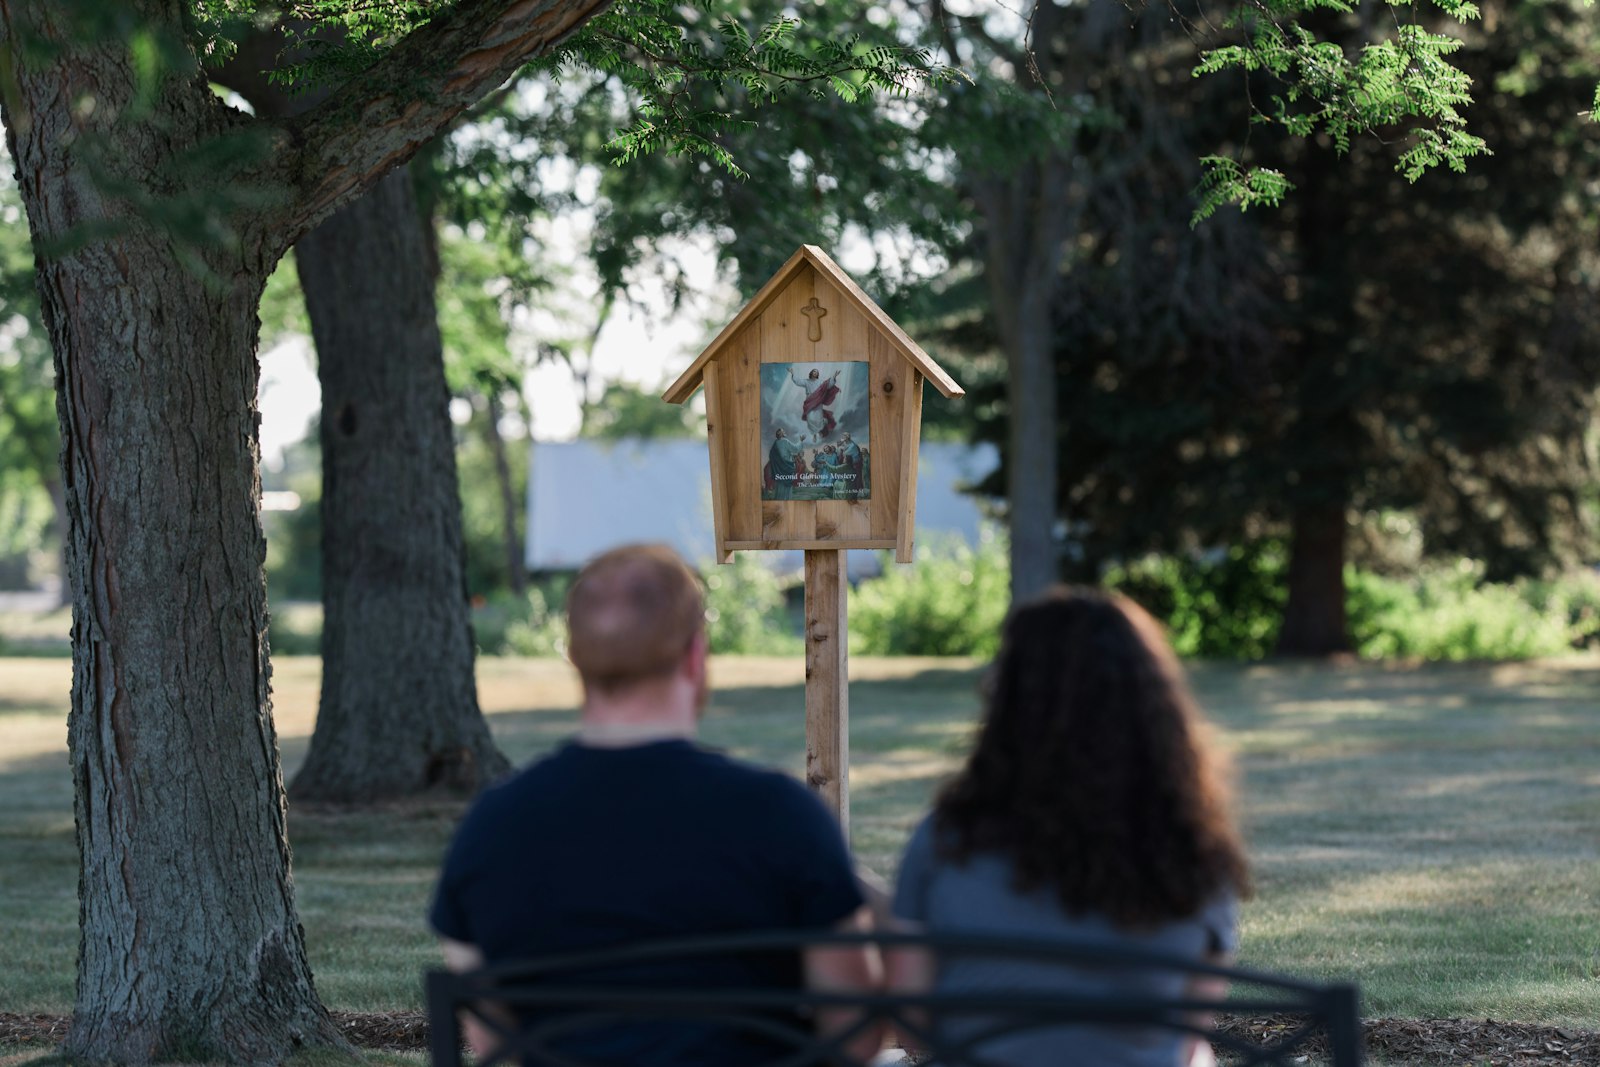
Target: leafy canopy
pixel 1405 82
pixel 1343 89
pixel 657 49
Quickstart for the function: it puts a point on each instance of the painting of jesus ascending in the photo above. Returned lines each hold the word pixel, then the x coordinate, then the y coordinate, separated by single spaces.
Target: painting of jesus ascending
pixel 815 430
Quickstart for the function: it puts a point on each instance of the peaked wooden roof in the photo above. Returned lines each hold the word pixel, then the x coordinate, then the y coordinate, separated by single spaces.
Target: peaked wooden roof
pixel 682 389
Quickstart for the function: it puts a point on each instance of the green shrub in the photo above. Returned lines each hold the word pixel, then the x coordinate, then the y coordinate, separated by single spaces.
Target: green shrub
pixel 747 609
pixel 505 625
pixel 1229 605
pixel 745 615
pixel 542 629
pixel 294 549
pixel 1220 605
pixel 1577 595
pixel 295 629
pixel 951 602
pixel 1447 612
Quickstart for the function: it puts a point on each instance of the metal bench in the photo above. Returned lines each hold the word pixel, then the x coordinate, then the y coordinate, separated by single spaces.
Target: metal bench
pixel 555 997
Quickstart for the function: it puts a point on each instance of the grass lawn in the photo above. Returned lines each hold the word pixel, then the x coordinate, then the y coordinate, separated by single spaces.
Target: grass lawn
pixel 1433 832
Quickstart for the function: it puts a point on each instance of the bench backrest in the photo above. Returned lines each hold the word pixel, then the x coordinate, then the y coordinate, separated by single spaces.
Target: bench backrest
pixel 554 997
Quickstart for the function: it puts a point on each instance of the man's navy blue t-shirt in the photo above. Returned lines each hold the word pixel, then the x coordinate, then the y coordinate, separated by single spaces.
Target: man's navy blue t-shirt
pixel 593 847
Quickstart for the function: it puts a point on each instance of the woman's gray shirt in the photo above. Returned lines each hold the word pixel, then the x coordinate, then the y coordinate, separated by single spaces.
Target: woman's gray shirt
pixel 978 897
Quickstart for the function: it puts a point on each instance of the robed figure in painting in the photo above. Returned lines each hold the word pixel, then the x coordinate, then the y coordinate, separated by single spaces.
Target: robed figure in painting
pixel 784 459
pixel 850 456
pixel 817 410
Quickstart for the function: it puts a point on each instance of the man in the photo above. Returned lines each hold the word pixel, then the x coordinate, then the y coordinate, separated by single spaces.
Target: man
pixel 785 464
pixel 633 832
pixel 850 457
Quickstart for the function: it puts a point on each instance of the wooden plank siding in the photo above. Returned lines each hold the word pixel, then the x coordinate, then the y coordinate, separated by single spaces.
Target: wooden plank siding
pixel 777 328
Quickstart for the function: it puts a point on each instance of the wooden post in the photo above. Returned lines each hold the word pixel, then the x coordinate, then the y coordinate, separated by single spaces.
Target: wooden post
pixel 827 692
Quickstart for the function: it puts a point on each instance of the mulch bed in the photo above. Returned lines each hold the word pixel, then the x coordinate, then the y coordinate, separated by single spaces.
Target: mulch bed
pixel 1423 1042
pixel 1427 1042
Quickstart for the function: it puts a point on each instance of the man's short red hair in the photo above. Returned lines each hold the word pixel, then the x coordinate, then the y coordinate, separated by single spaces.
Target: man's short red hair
pixel 631 615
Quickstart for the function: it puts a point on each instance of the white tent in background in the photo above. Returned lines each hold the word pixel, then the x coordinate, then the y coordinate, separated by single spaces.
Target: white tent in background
pixel 587 496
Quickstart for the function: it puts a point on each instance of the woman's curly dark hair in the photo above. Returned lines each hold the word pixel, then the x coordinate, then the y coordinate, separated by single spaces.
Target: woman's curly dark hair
pixel 1093 772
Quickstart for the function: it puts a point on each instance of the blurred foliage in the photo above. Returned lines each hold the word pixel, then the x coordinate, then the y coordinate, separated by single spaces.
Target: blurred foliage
pixel 294 537
pixel 25 524
pixel 506 625
pixel 1450 369
pixel 1448 612
pixel 1228 605
pixel 808 169
pixel 1397 76
pixel 1218 605
pixel 746 614
pixel 480 284
pixel 659 51
pixel 29 439
pixel 295 629
pixel 746 609
pixel 950 602
pixel 624 410
pixel 1430 352
pixel 283 306
pixel 482 509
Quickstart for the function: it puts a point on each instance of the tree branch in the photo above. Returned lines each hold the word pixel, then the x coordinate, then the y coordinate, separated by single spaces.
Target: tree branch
pixel 379 119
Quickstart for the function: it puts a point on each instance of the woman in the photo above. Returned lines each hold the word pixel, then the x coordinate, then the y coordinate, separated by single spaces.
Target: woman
pixel 1093 808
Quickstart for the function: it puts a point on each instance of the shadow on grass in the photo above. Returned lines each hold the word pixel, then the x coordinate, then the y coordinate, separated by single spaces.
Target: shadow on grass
pixel 25 1055
pixel 32 1056
pixel 1427 831
pixel 1517 938
pixel 1306 684
pixel 13 706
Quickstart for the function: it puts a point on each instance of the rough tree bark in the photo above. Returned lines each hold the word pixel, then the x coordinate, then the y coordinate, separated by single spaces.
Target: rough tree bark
pixel 399 712
pixel 190 947
pixel 1314 621
pixel 189 941
pixel 189 944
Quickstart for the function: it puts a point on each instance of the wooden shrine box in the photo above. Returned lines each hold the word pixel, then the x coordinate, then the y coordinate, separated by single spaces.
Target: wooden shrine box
pixel 813 411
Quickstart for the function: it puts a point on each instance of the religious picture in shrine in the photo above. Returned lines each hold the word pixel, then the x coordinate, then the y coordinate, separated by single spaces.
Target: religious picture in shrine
pixel 814 430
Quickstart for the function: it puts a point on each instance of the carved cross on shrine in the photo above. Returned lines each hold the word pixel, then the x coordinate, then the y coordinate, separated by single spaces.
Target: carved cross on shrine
pixel 813 313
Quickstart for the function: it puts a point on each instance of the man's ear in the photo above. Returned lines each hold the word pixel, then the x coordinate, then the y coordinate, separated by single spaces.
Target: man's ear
pixel 694 657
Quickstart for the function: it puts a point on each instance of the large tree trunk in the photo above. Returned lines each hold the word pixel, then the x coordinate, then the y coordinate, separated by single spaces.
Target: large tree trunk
pixel 154 249
pixel 169 661
pixel 1314 617
pixel 1026 225
pixel 189 944
pixel 1031 467
pixel 399 711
